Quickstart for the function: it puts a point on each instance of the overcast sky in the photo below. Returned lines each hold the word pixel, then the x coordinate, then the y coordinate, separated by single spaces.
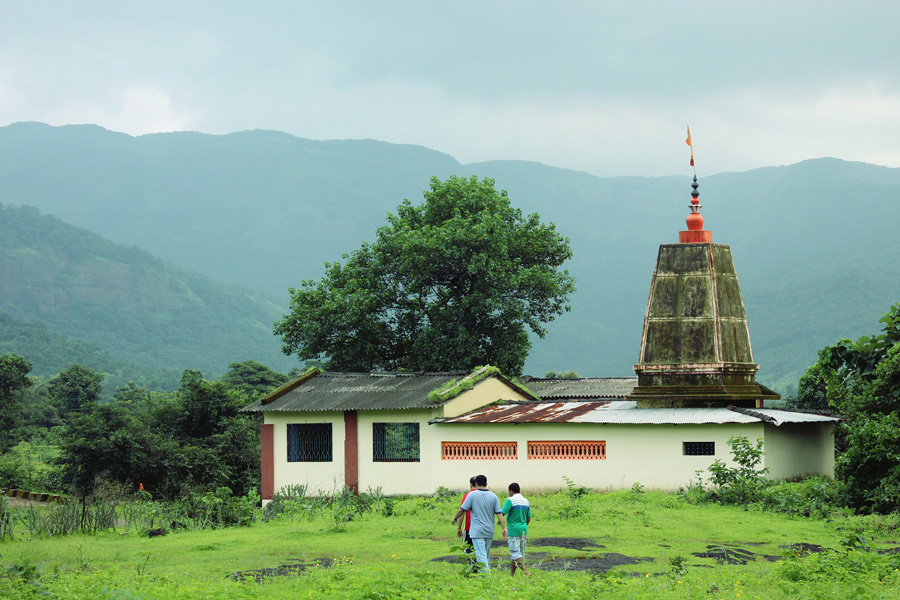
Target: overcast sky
pixel 603 87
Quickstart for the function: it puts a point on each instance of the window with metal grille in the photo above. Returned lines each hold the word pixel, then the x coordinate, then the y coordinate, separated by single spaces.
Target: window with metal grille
pixel 395 442
pixel 479 451
pixel 309 442
pixel 567 450
pixel 699 448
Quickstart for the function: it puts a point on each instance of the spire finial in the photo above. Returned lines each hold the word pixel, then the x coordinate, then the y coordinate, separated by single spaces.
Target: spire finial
pixel 695 233
pixel 690 143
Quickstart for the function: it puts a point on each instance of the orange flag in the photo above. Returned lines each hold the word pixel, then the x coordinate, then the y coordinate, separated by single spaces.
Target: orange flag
pixel 689 143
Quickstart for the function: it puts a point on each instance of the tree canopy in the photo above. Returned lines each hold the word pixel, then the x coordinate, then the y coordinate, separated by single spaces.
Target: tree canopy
pixel 861 380
pixel 76 388
pixel 14 371
pixel 451 283
pixel 170 442
pixel 253 378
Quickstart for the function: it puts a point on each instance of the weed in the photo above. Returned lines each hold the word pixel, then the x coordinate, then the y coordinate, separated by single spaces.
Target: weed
pixel 142 565
pixel 388 509
pixel 81 561
pixel 465 555
pixel 27 573
pixel 677 567
pixel 444 494
pixel 575 493
pixel 741 484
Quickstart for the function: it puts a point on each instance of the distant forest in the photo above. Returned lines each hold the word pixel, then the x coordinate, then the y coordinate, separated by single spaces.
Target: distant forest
pixel 814 245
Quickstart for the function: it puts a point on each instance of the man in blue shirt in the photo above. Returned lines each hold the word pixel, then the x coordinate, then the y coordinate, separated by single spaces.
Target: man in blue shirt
pixel 483 504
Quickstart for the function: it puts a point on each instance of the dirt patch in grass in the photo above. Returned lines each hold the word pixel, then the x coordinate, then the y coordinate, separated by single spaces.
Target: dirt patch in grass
pixel 456 558
pixel 602 562
pixel 726 555
pixel 734 555
pixel 294 568
pixel 591 564
pixel 804 548
pixel 581 544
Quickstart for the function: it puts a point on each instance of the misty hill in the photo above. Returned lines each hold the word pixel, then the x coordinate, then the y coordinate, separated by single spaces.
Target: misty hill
pixel 49 353
pixel 814 243
pixel 113 307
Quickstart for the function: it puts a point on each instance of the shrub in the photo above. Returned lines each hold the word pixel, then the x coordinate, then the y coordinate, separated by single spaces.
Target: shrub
pixel 741 484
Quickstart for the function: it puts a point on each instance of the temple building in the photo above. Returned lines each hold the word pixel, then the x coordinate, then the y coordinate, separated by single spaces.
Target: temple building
pixel 410 433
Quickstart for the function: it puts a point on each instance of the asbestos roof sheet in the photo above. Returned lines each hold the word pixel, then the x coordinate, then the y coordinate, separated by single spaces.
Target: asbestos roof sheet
pixel 625 412
pixel 581 389
pixel 358 391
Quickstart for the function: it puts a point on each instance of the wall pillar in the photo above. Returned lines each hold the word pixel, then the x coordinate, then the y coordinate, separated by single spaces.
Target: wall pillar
pixel 267 486
pixel 351 451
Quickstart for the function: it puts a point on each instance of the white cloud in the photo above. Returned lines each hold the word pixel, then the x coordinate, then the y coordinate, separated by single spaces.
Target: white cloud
pixel 760 85
pixel 134 109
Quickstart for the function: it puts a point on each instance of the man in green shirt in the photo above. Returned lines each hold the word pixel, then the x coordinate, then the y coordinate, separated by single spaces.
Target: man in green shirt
pixel 518 516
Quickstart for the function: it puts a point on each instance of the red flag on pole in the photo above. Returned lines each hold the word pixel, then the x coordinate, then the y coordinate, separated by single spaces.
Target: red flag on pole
pixel 689 143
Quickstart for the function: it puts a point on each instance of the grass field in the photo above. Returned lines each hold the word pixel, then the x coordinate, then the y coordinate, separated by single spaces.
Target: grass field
pixel 654 538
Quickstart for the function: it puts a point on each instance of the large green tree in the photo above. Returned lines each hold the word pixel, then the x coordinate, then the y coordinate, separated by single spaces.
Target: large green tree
pixel 451 283
pixel 14 371
pixel 253 378
pixel 861 380
pixel 76 389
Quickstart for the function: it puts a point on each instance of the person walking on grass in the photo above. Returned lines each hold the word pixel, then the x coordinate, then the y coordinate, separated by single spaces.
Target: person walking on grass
pixel 483 504
pixel 518 515
pixel 466 539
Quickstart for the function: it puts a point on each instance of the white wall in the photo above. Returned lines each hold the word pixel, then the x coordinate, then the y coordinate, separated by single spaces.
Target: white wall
pixel 648 454
pixel 399 477
pixel 651 455
pixel 793 450
pixel 318 476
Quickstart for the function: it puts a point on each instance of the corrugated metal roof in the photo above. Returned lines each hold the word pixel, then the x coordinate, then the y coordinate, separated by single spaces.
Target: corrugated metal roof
pixel 531 412
pixel 584 388
pixel 359 391
pixel 625 412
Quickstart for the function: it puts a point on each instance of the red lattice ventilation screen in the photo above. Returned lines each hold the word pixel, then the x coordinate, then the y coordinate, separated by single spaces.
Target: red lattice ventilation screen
pixel 566 450
pixel 479 450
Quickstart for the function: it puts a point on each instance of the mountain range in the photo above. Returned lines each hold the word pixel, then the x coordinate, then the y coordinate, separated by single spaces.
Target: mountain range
pixel 254 213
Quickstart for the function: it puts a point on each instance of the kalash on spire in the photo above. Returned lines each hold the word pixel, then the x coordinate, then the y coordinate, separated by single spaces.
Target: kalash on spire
pixel 695 348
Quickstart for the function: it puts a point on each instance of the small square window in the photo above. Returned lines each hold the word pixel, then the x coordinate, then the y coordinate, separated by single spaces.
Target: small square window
pixel 309 442
pixel 395 442
pixel 699 448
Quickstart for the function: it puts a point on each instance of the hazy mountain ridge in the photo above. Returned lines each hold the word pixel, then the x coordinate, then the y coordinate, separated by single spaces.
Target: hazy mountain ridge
pixel 813 243
pixel 123 300
pixel 49 353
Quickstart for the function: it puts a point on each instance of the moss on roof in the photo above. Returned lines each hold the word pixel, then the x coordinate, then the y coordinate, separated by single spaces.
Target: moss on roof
pixel 454 388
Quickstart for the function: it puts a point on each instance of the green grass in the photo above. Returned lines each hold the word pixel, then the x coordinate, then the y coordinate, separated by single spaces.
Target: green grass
pixel 390 557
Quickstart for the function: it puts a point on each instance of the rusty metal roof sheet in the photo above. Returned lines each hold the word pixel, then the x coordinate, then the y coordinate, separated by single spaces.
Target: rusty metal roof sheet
pixel 358 391
pixel 625 412
pixel 533 412
pixel 585 388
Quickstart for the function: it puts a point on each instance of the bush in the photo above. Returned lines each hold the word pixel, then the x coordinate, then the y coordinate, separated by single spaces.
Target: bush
pixel 741 484
pixel 28 466
pixel 813 497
